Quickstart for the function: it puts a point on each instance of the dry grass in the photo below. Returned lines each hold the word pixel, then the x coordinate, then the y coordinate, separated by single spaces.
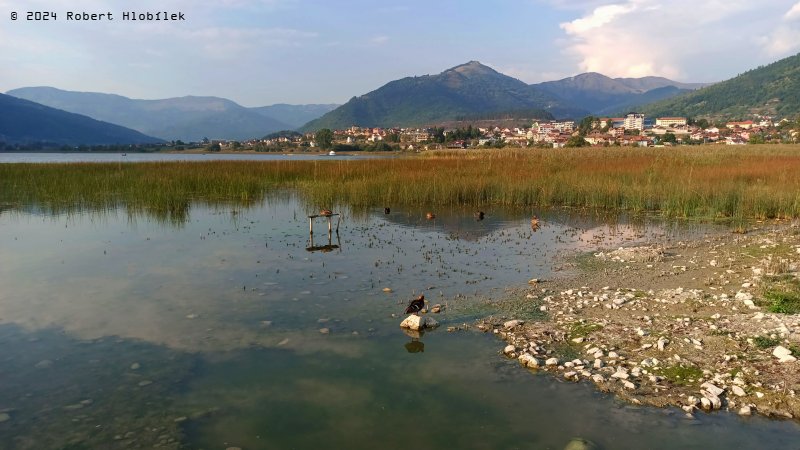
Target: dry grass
pixel 740 183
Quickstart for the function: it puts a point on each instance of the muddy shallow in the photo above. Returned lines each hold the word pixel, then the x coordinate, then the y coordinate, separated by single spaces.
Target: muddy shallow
pixel 128 332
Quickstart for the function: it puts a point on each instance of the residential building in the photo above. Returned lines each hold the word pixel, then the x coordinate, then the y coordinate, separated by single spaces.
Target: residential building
pixel 670 121
pixel 634 121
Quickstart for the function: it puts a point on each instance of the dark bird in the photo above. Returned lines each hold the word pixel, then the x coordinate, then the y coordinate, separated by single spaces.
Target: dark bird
pixel 325 212
pixel 479 215
pixel 430 216
pixel 416 305
pixel 386 210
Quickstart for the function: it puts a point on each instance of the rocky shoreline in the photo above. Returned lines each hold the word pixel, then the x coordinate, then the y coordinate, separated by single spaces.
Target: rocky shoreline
pixel 703 325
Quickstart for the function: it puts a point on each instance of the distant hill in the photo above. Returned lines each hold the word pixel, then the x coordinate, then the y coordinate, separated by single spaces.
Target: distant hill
pixel 26 122
pixel 771 90
pixel 468 90
pixel 602 95
pixel 295 115
pixel 186 118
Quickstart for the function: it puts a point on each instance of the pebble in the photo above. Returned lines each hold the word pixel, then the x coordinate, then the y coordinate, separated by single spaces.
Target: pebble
pixel 135 366
pixel 512 324
pixel 325 330
pixel 44 364
pixel 4 417
pixel 144 383
pixel 551 362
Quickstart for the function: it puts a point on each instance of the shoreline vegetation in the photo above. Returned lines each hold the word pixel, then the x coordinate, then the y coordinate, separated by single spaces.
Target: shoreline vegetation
pixel 730 184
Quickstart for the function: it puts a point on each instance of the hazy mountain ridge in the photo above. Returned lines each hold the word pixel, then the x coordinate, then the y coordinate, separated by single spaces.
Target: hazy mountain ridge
pixel 188 118
pixel 602 95
pixel 27 122
pixel 295 115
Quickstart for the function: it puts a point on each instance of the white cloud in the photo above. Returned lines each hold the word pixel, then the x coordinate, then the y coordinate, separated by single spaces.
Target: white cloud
pixel 784 39
pixel 633 38
pixel 794 13
pixel 379 40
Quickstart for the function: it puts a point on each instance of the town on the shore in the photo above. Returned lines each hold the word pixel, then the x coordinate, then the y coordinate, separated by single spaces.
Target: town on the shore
pixel 632 130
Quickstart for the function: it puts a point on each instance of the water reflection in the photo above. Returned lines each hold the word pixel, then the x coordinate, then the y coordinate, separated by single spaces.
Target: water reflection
pixel 414 345
pixel 211 332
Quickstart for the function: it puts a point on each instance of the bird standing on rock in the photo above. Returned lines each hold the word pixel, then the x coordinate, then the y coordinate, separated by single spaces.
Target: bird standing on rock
pixel 416 305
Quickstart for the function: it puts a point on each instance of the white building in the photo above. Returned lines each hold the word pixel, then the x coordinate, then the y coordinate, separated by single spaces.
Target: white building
pixel 634 121
pixel 670 121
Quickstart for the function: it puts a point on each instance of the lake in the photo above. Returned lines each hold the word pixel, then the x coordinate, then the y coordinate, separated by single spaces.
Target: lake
pixel 36 157
pixel 231 328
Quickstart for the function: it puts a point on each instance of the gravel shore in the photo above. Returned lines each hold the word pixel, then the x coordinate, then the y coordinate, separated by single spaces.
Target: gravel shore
pixel 702 325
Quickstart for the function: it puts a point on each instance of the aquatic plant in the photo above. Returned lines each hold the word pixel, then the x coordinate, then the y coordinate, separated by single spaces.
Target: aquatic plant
pixel 751 182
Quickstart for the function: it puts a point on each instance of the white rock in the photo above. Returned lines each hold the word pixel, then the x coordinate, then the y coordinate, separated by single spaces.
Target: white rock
pixel 512 324
pixel 578 340
pixel 787 359
pixel 597 378
pixel 621 374
pixel 613 355
pixel 738 391
pixel 628 385
pixel 570 375
pixel 509 349
pixel 551 362
pixel 414 322
pixel 743 296
pixel 598 363
pixel 662 342
pixel 781 351
pixel 714 390
pixel 592 350
pixel 529 361
pixel 745 410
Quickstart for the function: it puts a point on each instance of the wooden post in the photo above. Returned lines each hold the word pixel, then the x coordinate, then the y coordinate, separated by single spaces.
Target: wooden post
pixel 310 225
pixel 330 225
pixel 338 219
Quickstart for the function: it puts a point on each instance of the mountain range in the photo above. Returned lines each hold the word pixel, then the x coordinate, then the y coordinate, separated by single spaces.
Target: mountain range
pixel 772 90
pixel 602 95
pixel 467 92
pixel 474 90
pixel 25 122
pixel 187 118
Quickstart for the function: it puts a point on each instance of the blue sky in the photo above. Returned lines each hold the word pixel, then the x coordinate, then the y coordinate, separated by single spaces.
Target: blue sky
pixel 259 52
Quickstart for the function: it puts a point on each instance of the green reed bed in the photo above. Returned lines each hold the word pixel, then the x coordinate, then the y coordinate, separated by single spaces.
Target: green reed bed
pixel 706 182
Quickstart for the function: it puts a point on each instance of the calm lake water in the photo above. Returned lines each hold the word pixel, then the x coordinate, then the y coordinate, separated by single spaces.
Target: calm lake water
pixel 6 157
pixel 123 331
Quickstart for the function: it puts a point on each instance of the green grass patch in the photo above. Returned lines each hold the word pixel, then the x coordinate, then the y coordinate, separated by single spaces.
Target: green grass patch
pixel 680 374
pixel 764 342
pixel 565 351
pixel 578 329
pixel 783 302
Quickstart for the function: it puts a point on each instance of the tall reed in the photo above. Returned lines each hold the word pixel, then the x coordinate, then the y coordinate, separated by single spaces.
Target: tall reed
pixel 707 182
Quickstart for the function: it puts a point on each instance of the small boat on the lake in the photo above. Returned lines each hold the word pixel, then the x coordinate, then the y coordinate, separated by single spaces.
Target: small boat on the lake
pixel 331 153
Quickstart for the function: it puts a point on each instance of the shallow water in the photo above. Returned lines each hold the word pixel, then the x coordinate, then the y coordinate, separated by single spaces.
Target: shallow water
pixel 123 331
pixel 42 157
